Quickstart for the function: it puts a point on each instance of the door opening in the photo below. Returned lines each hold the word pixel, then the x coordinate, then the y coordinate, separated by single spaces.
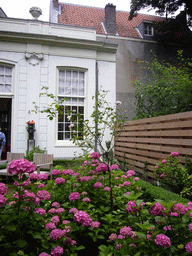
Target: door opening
pixel 5 124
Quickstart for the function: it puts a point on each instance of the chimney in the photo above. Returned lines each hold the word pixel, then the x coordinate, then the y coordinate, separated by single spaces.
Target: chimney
pixel 110 19
pixel 55 3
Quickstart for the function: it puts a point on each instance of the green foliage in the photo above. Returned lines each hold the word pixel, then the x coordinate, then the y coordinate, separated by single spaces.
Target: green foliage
pixel 171 172
pixel 29 154
pixel 168 90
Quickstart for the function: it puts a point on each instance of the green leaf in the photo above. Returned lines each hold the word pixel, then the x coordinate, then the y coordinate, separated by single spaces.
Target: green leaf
pixel 21 243
pixel 103 248
pixel 142 235
pixel 101 237
pixel 81 247
pixel 37 236
pixel 11 227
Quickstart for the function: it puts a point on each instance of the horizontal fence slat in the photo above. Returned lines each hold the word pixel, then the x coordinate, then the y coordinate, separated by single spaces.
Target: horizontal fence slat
pixel 152 139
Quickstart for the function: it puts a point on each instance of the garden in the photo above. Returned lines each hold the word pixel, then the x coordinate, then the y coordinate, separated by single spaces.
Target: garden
pixel 96 209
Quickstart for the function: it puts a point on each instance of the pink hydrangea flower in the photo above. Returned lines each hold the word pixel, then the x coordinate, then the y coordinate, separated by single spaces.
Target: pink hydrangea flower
pixel 162 175
pixel 65 222
pixel 56 234
pixel 52 211
pixel 136 179
pixel 57 251
pixel 118 246
pixel 131 207
pixel 130 173
pixel 59 210
pixel 190 227
pixel 179 208
pixel 102 168
pixel 164 161
pixel 73 210
pixel 55 204
pixel 3 189
pixel 126 231
pixel 94 155
pixel 121 237
pixel 95 224
pixel 157 209
pixel 114 167
pixel 86 199
pixel 67 172
pixel 74 196
pixel 2 200
pixel 43 195
pixel 83 218
pixel 98 185
pixel 156 166
pixel 107 189
pixel 113 237
pixel 43 176
pixel 59 181
pixel 55 172
pixel 41 211
pixel 41 185
pixel 44 254
pixel 33 176
pixel 21 166
pixel 55 219
pixel 162 240
pixel 50 226
pixel 188 247
pixel 116 178
pixel 127 183
pixel 174 154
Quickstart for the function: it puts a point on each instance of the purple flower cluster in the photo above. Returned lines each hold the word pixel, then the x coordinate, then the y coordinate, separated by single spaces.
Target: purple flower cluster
pixel 40 211
pixel 174 154
pixel 59 181
pixel 95 224
pixel 98 185
pixel 3 189
pixel 188 247
pixel 114 167
pixel 126 231
pixel 130 173
pixel 44 254
pixel 43 195
pixel 157 209
pixel 162 240
pixel 131 207
pixel 127 183
pixel 107 189
pixel 102 168
pixel 50 226
pixel 67 172
pixel 57 251
pixel 113 237
pixel 83 218
pixel 86 199
pixel 94 155
pixel 55 220
pixel 55 204
pixel 73 210
pixel 179 208
pixel 56 234
pixel 55 172
pixel 74 196
pixel 21 166
pixel 2 200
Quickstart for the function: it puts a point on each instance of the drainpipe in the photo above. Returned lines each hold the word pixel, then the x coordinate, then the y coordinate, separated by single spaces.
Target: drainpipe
pixel 96 106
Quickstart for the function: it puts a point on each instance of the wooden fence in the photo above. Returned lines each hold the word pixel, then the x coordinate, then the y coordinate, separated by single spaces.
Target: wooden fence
pixel 151 139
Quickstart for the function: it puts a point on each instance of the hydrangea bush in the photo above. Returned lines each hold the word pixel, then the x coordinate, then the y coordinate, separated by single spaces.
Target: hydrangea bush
pixel 171 172
pixel 72 213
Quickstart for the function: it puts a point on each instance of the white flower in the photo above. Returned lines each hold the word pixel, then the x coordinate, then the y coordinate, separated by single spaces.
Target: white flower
pixel 68 118
pixel 71 125
pixel 118 102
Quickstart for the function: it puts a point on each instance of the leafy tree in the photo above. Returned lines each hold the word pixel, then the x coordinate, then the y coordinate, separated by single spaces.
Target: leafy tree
pixel 162 7
pixel 167 91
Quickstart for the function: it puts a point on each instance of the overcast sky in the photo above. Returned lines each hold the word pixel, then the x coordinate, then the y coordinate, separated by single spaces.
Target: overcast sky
pixel 20 8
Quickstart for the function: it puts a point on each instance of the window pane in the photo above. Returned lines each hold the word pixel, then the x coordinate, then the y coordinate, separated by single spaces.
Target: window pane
pixel 60 135
pixel 5 79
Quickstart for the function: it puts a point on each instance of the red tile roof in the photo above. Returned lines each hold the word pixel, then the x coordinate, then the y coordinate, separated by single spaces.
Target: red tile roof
pixel 85 16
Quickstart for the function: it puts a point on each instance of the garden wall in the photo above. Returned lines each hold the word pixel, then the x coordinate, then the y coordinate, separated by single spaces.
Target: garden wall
pixel 154 138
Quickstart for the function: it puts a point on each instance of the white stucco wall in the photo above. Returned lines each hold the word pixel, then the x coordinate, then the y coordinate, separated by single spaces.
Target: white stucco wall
pixel 35 65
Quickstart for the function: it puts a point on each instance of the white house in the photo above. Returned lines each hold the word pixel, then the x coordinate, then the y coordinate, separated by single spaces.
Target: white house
pixel 64 59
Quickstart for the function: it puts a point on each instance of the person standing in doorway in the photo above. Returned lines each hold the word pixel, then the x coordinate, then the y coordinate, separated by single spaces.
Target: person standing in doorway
pixel 2 142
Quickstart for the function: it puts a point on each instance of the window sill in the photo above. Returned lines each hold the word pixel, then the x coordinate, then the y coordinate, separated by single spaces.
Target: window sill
pixel 64 143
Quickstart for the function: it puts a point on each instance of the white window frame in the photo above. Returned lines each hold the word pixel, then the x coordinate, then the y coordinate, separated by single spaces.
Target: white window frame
pixel 149 27
pixel 78 69
pixel 4 93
